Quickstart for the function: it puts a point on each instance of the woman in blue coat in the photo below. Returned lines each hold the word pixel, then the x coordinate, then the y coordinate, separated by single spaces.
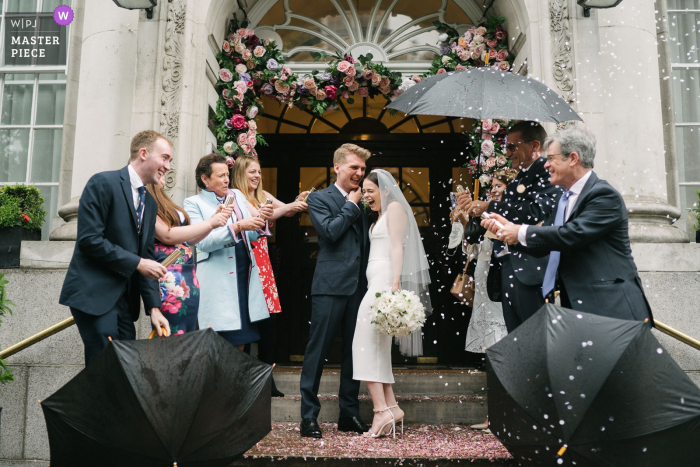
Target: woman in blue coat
pixel 231 294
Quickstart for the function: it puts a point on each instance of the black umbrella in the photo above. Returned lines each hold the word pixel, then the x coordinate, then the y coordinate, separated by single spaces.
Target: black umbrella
pixel 483 93
pixel 572 388
pixel 193 400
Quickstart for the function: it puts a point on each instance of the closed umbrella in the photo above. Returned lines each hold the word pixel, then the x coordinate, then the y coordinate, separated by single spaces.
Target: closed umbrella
pixel 192 400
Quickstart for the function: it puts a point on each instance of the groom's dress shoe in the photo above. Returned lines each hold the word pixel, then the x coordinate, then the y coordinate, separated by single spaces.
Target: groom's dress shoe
pixel 352 424
pixel 310 428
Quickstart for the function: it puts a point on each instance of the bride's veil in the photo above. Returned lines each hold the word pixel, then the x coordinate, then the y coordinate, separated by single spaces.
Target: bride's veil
pixel 414 270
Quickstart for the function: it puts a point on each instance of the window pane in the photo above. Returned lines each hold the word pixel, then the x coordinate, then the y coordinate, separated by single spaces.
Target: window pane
pixel 686 95
pixel 50 195
pixel 50 103
pixel 21 6
pixel 17 104
pixel 14 147
pixel 683 35
pixel 688 148
pixel 19 77
pixel 46 157
pixel 50 5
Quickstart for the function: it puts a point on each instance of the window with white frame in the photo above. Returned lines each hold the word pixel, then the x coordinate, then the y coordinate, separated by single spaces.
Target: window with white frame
pixel 32 101
pixel 684 40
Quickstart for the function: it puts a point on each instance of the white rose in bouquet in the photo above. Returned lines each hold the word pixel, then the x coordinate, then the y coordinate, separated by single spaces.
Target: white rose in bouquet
pixel 398 313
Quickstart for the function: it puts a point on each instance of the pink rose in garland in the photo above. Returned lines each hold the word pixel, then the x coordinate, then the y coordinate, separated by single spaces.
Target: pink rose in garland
pixel 241 68
pixel 354 86
pixel 344 66
pixel 321 95
pixel 242 138
pixel 242 33
pixel 504 66
pixel 251 141
pixel 502 55
pixel 348 80
pixel 239 48
pixel 351 71
pixel 225 75
pixel 252 112
pixel 363 92
pixel 259 51
pixel 376 79
pixel 368 74
pixel 238 122
pixel 331 92
pixel 227 47
pixel 309 83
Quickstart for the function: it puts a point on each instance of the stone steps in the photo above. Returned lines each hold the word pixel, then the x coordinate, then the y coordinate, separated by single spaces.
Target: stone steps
pixel 437 397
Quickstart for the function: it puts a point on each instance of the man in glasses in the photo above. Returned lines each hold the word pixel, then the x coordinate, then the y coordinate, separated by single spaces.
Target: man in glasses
pixel 528 199
pixel 586 237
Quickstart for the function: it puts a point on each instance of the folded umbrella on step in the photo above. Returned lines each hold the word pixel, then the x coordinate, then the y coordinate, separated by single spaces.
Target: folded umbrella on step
pixel 192 400
pixel 572 388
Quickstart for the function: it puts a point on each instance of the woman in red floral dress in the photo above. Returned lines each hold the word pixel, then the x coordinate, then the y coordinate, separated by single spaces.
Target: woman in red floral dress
pixel 246 177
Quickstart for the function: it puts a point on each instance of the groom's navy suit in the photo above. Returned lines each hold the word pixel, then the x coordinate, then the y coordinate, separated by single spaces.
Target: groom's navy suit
pixel 102 287
pixel 339 284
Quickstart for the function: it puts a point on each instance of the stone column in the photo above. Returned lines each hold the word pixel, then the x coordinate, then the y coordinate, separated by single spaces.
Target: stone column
pixel 619 97
pixel 99 115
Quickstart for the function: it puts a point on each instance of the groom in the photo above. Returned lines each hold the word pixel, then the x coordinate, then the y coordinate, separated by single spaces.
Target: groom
pixel 338 287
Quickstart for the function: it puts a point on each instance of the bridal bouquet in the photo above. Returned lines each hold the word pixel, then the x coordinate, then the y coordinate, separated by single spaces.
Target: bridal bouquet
pixel 397 313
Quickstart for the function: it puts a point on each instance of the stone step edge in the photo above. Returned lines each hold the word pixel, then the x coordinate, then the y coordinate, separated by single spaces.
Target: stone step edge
pixel 304 461
pixel 399 398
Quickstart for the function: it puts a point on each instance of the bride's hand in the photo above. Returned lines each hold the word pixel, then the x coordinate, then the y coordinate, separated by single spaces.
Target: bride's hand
pixel 395 287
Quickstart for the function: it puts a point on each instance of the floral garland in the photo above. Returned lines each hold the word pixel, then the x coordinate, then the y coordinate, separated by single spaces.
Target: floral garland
pixel 487 151
pixel 251 67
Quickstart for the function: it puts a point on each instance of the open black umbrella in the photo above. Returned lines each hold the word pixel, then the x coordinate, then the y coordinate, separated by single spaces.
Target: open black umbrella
pixel 483 93
pixel 192 400
pixel 572 388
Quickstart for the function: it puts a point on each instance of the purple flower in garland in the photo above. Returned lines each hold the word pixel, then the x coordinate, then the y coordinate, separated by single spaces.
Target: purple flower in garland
pixel 245 77
pixel 253 41
pixel 335 81
pixel 228 124
pixel 272 64
pixel 444 48
pixel 267 88
pixel 325 76
pixel 303 91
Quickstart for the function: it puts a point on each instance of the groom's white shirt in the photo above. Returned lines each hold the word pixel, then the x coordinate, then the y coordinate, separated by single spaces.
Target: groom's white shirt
pixel 345 195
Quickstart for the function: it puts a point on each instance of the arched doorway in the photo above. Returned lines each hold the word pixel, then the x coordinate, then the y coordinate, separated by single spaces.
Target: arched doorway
pixel 425 154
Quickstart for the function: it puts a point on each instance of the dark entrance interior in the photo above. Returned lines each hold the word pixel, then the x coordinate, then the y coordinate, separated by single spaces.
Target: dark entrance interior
pixel 428 166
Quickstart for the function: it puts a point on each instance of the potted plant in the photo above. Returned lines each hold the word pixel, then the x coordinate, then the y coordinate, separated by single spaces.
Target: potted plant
pixel 21 217
pixel 5 373
pixel 695 216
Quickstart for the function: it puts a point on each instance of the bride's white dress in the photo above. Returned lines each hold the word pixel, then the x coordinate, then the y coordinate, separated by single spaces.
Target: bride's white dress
pixel 371 349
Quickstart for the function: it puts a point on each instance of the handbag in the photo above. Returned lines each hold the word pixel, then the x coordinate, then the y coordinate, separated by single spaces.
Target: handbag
pixel 463 286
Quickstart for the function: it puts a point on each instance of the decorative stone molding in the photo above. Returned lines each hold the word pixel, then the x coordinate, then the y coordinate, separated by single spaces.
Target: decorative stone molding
pixel 170 102
pixel 562 53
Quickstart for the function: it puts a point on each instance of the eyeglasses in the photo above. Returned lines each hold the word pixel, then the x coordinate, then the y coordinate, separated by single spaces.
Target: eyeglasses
pixel 550 157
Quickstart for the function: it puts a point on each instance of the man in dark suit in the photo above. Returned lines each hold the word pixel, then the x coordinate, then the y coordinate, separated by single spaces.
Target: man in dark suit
pixel 586 238
pixel 515 279
pixel 112 264
pixel 339 284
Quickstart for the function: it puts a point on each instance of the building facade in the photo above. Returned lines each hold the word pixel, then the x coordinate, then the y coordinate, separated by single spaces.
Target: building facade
pixel 631 72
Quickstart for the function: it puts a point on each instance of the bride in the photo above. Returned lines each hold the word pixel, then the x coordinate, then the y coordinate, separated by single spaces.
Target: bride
pixel 396 262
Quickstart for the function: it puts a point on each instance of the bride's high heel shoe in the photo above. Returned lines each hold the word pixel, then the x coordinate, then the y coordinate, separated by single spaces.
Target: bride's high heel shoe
pixel 399 420
pixel 390 423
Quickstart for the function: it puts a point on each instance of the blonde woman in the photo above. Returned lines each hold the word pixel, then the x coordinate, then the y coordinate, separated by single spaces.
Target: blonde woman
pixel 246 178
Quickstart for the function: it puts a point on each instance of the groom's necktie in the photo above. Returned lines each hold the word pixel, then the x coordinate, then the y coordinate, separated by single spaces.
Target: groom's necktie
pixel 139 209
pixel 551 273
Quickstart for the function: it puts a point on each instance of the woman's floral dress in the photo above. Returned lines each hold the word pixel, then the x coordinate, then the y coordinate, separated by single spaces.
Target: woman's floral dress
pixel 262 258
pixel 179 289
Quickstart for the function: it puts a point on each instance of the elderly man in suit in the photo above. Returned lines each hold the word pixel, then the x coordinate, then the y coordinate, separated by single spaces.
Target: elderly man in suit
pixel 338 287
pixel 587 238
pixel 528 199
pixel 113 260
